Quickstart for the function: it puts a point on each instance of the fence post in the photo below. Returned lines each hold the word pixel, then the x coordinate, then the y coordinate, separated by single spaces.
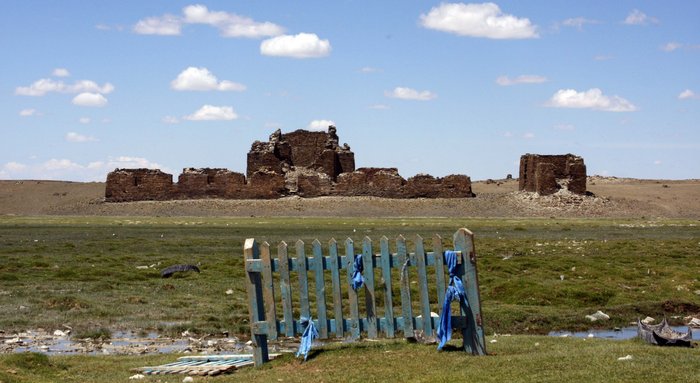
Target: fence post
pixel 473 333
pixel 251 251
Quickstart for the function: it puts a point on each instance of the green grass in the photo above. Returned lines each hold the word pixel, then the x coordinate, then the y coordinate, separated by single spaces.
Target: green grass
pixel 512 359
pixel 82 271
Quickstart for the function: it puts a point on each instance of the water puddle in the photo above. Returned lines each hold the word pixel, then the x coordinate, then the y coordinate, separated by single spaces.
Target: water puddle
pixel 121 343
pixel 618 334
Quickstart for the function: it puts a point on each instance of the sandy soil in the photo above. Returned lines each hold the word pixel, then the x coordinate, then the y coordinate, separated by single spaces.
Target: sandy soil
pixel 611 197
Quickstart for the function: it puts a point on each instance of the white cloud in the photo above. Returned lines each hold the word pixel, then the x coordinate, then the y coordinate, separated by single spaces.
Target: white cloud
pixel 657 162
pixel 68 170
pixel 379 106
pixel 410 94
pixel 230 24
pixel 478 20
pixel 170 120
pixel 590 99
pixel 671 46
pixel 602 57
pixel 369 69
pixel 637 17
pixel 27 112
pixel 529 135
pixel 578 22
pixel 76 137
pixel 84 120
pixel 90 99
pixel 687 94
pixel 61 72
pixel 320 125
pixel 302 45
pixel 523 79
pixel 201 79
pixel 166 25
pixel 213 113
pixel 46 85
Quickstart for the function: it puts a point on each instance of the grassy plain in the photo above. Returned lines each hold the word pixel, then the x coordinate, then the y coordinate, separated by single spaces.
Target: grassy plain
pixel 536 275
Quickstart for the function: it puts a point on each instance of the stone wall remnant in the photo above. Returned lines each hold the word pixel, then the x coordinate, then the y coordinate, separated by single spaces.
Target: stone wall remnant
pixel 547 174
pixel 303 163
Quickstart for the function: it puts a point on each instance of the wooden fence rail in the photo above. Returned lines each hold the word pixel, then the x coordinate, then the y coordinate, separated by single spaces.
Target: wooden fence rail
pixel 272 283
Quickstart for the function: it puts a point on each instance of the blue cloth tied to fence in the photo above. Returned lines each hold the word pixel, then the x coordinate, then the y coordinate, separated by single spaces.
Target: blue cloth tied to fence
pixel 357 268
pixel 307 338
pixel 455 290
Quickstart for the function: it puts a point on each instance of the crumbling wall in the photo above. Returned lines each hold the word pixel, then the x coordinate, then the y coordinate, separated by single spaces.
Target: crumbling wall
pixel 318 151
pixel 209 183
pixel 308 164
pixel 546 174
pixel 138 185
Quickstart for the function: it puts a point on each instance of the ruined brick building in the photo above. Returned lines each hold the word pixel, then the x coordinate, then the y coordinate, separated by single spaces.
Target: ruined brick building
pixel 547 174
pixel 303 163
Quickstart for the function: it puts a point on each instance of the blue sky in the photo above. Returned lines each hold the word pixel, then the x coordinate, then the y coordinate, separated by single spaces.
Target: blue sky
pixel 424 86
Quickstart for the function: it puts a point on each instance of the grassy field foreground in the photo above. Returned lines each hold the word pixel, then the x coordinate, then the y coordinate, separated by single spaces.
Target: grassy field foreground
pixel 513 359
pixel 100 274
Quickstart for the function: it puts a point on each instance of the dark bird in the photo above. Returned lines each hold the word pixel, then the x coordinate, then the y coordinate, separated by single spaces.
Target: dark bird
pixel 169 271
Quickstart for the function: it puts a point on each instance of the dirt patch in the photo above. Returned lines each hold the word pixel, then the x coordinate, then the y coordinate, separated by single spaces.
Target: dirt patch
pixel 610 197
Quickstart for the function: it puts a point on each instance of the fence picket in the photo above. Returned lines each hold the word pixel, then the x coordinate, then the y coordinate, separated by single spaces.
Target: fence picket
pixel 302 268
pixel 285 288
pixel 368 274
pixel 320 290
pixel 386 285
pixel 334 265
pixel 268 291
pixel 423 287
pixel 439 270
pixel 352 294
pixel 406 309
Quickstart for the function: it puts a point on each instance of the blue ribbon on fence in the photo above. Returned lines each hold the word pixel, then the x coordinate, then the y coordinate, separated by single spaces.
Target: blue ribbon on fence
pixel 307 338
pixel 455 290
pixel 357 268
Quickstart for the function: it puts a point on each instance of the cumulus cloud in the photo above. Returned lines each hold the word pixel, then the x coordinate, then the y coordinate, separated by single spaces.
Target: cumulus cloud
pixel 687 94
pixel 213 113
pixel 590 99
pixel 478 20
pixel 637 17
pixel 565 127
pixel 68 170
pixel 300 46
pixel 166 25
pixel 84 120
pixel 27 112
pixel 79 138
pixel 202 79
pixel 320 125
pixel 90 99
pixel 47 85
pixel 61 72
pixel 230 24
pixel 410 94
pixel 523 79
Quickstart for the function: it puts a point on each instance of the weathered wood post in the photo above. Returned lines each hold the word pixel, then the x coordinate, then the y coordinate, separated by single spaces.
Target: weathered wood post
pixel 251 250
pixel 473 333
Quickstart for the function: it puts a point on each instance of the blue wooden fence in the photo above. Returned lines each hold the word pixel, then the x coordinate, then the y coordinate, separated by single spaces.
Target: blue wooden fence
pixel 271 286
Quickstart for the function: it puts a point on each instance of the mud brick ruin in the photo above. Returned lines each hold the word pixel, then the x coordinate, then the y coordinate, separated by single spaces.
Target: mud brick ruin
pixel 547 174
pixel 303 163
